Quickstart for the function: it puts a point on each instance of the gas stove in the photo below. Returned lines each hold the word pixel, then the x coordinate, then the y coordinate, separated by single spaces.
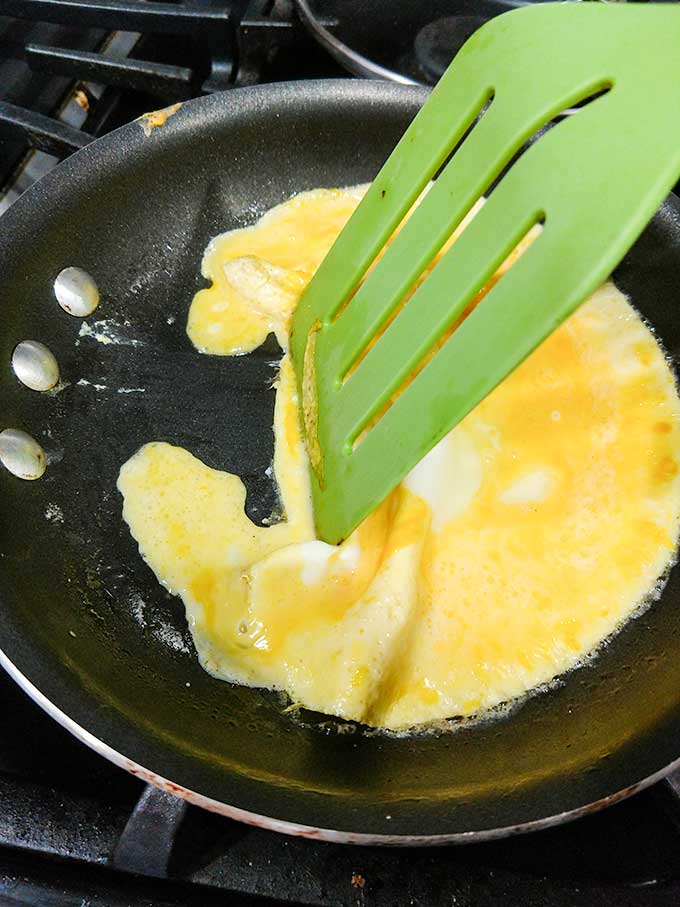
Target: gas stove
pixel 74 829
pixel 72 70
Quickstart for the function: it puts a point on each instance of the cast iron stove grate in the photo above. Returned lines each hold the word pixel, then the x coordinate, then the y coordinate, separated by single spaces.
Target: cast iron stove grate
pixel 71 70
pixel 76 830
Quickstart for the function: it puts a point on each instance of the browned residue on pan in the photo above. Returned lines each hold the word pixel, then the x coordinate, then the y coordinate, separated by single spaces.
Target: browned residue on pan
pixel 153 119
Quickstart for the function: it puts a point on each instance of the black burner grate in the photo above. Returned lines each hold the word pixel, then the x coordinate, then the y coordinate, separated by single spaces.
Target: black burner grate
pixel 68 818
pixel 95 64
pixel 75 830
pixel 210 24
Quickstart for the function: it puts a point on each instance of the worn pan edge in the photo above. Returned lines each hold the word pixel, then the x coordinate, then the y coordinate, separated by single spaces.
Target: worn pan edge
pixel 270 823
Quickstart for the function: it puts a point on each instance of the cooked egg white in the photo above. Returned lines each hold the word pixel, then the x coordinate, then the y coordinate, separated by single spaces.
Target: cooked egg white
pixel 519 544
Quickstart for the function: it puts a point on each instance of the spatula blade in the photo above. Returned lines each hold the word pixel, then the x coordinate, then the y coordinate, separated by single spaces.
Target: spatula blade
pixel 595 179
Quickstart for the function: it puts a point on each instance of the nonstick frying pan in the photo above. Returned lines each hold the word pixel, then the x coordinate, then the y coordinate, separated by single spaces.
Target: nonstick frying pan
pixel 84 626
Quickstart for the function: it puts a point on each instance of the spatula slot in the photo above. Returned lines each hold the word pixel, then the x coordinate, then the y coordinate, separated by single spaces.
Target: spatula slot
pixel 480 162
pixel 406 330
pixel 400 215
pixel 404 336
pixel 388 201
pixel 416 326
pixel 575 108
pixel 596 180
pixel 473 125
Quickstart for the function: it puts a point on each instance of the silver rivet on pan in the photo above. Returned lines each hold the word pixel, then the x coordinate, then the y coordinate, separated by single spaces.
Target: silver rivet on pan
pixel 35 366
pixel 76 292
pixel 21 454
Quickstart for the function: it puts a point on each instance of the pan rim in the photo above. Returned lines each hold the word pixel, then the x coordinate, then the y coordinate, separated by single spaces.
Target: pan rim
pixel 294 829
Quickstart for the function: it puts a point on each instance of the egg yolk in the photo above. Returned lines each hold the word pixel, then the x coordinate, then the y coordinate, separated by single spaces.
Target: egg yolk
pixel 519 544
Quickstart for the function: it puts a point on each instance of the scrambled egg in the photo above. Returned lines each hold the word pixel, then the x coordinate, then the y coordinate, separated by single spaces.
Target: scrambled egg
pixel 519 544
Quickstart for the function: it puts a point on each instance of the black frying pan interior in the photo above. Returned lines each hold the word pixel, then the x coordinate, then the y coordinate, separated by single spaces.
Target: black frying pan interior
pixel 85 620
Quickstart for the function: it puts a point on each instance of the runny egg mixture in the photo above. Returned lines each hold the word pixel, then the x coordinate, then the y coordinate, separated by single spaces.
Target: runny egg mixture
pixel 519 544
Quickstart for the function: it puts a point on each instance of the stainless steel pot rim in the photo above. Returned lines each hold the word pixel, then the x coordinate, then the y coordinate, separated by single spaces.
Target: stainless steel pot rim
pixel 352 61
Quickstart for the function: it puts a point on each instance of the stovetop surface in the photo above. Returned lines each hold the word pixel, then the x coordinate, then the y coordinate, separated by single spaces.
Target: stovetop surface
pixel 63 808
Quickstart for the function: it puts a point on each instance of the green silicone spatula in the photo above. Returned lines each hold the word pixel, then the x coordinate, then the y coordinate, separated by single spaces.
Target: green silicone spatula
pixel 593 180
